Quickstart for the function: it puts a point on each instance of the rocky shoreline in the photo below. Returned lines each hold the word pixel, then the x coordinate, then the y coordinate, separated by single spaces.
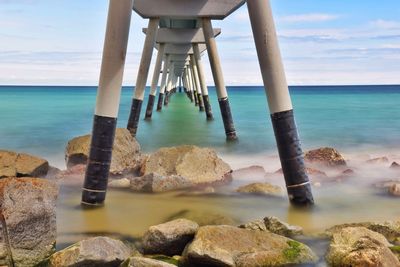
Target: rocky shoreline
pixel 29 189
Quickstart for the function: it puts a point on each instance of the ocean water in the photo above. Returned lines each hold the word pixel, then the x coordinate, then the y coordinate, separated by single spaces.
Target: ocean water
pixel 361 121
pixel 41 120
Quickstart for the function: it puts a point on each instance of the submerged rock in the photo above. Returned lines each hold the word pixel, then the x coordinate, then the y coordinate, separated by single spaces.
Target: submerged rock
pixel 28 211
pixel 198 165
pixel 119 183
pixel 155 183
pixel 394 190
pixel 204 217
pixel 378 160
pixel 395 165
pixel 14 164
pixel 325 156
pixel 126 155
pixel 145 262
pixel 96 252
pixel 169 238
pixel 261 189
pixel 231 246
pixel 252 172
pixel 360 247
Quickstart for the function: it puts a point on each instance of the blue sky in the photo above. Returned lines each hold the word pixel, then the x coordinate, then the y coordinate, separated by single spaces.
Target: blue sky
pixel 48 42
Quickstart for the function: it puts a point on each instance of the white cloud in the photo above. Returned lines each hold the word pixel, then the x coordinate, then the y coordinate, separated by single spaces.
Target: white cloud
pixel 312 17
pixel 386 24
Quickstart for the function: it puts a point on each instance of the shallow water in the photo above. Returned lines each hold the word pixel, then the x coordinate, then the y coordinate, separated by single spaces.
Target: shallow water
pixel 362 122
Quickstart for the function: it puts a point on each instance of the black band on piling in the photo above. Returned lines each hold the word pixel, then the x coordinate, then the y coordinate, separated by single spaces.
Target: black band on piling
pixel 201 103
pixel 227 119
pixel 133 120
pixel 292 160
pixel 166 98
pixel 98 167
pixel 196 99
pixel 207 106
pixel 150 106
pixel 160 101
pixel 191 96
pixel 180 89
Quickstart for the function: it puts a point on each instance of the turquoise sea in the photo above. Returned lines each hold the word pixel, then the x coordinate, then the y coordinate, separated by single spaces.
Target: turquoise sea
pixel 41 119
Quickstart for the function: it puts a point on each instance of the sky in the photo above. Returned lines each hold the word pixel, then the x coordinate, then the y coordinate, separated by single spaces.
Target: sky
pixel 323 42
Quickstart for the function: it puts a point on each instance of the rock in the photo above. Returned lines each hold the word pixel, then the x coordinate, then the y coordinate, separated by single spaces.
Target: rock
pixel 145 262
pixel 155 183
pixel 252 172
pixel 386 184
pixel 378 160
pixel 360 247
pixel 97 251
pixel 169 238
pixel 394 190
pixel 395 165
pixel 28 209
pixel 348 172
pixel 254 225
pixel 120 183
pixel 276 226
pixel 325 156
pixel 126 155
pixel 390 229
pixel 14 164
pixel 261 189
pixel 198 165
pixel 204 218
pixel 310 171
pixel 231 246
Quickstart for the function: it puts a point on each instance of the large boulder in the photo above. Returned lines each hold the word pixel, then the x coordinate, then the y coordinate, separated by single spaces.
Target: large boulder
pixel 14 164
pixel 389 229
pixel 28 215
pixel 264 189
pixel 125 157
pixel 204 217
pixel 360 247
pixel 231 246
pixel 169 238
pixel 325 156
pixel 198 165
pixel 96 252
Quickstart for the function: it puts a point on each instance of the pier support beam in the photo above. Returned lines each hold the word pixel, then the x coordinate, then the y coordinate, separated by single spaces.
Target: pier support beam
pixel 107 103
pixel 163 83
pixel 280 104
pixel 143 73
pixel 219 80
pixel 169 84
pixel 204 89
pixel 197 82
pixel 154 83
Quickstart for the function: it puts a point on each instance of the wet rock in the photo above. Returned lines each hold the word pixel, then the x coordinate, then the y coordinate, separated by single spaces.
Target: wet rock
pixel 231 246
pixel 274 225
pixel 28 211
pixel 386 184
pixel 156 183
pixel 378 160
pixel 348 172
pixel 394 190
pixel 360 247
pixel 390 229
pixel 261 189
pixel 120 183
pixel 395 165
pixel 14 164
pixel 169 238
pixel 197 165
pixel 252 172
pixel 145 262
pixel 204 217
pixel 96 252
pixel 254 225
pixel 325 156
pixel 126 155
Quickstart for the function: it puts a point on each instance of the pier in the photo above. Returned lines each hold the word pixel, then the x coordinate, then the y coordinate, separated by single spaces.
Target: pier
pixel 181 34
